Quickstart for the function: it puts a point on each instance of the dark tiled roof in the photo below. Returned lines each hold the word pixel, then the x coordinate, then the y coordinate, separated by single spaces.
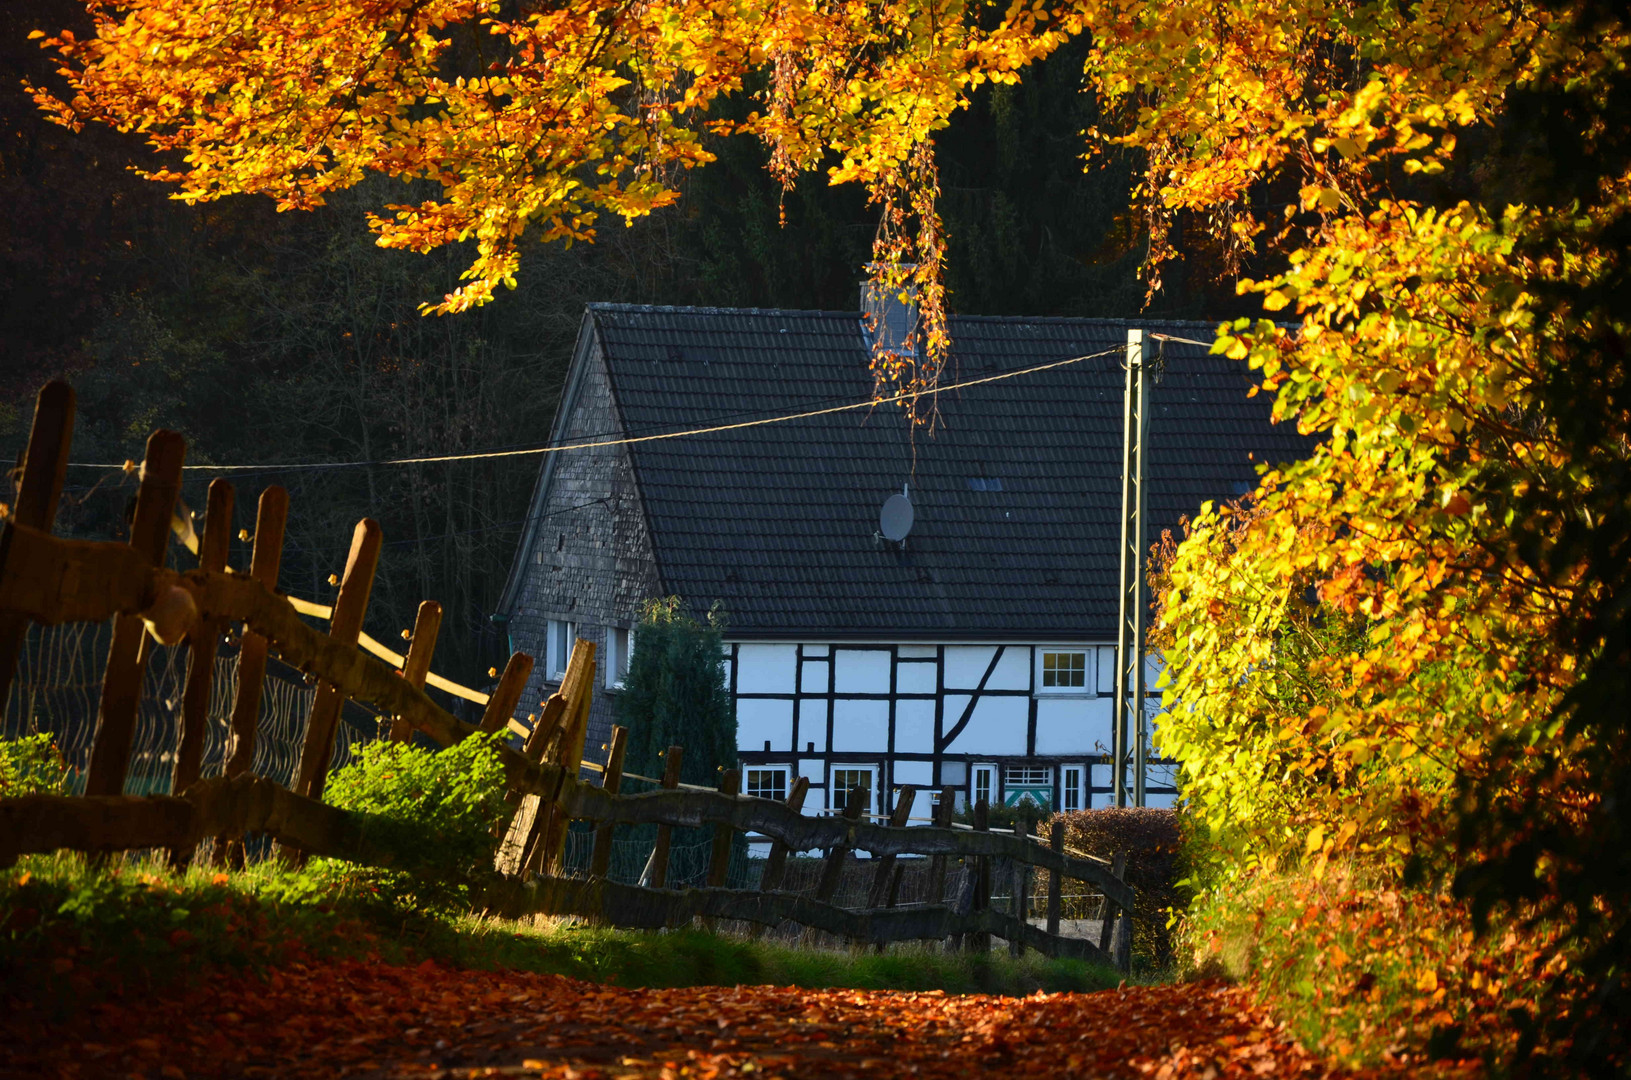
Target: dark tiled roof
pixel 1017 495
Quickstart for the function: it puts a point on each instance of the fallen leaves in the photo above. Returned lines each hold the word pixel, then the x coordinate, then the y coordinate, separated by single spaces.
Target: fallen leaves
pixel 367 1018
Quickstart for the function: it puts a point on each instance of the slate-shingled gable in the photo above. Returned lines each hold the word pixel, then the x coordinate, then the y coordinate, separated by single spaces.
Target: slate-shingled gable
pixel 1017 493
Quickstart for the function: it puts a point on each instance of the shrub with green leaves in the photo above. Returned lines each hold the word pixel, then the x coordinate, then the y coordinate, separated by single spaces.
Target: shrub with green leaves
pixel 32 765
pixel 435 813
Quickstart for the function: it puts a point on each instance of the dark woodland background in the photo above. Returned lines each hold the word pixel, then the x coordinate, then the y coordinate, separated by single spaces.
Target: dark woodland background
pixel 277 339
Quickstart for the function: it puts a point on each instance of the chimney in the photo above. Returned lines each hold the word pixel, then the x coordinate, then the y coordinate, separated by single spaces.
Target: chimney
pixel 891 320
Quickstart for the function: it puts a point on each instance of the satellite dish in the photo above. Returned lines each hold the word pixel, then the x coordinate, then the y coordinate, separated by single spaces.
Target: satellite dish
pixel 895 520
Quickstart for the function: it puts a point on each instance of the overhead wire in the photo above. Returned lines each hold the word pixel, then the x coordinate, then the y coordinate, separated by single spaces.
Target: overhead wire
pixel 711 429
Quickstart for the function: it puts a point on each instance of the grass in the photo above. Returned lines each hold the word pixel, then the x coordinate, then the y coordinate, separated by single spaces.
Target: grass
pixel 72 931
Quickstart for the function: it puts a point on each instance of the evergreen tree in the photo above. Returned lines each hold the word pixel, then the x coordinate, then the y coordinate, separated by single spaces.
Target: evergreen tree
pixel 675 694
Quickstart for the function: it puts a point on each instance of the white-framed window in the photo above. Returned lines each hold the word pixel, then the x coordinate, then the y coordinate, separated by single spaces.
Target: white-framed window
pixel 1063 670
pixel 983 785
pixel 844 780
pixel 1072 785
pixel 766 781
pixel 619 647
pixel 559 639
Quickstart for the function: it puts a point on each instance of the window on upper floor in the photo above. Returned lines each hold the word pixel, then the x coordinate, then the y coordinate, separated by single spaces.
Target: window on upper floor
pixel 619 648
pixel 559 639
pixel 1062 671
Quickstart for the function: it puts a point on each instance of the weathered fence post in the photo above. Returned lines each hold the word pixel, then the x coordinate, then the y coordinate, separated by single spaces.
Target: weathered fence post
pixel 202 644
pixel 1019 903
pixel 345 625
pixel 719 862
pixel 501 703
pixel 980 941
pixel 44 467
pixel 776 864
pixel 1111 910
pixel 832 871
pixel 1056 880
pixel 612 782
pixel 416 665
pixel 265 558
pixel 1122 947
pixel 122 678
pixel 569 757
pixel 522 851
pixel 886 863
pixel 656 874
pixel 936 888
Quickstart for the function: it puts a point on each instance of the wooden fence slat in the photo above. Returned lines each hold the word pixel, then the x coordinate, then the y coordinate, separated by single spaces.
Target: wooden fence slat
pixel 265 560
pixel 1108 912
pixel 719 862
pixel 122 675
pixel 203 643
pixel 427 624
pixel 656 874
pixel 886 863
pixel 350 607
pixel 776 865
pixel 937 863
pixel 832 871
pixel 39 490
pixel 978 942
pixel 1056 880
pixel 507 694
pixel 532 818
pixel 1019 903
pixel 611 781
pixel 570 758
pixel 1121 948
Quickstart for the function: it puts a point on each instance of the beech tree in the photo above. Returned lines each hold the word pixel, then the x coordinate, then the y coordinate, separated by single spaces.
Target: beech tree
pixel 1439 193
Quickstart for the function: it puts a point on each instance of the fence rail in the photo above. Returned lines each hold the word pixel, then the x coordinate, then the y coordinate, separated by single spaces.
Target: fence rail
pixel 51 580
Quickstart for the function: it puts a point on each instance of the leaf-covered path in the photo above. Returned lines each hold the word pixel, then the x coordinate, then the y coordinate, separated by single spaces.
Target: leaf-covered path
pixel 361 1018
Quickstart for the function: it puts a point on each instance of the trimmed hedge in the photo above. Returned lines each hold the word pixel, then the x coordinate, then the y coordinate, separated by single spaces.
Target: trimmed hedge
pixel 1153 841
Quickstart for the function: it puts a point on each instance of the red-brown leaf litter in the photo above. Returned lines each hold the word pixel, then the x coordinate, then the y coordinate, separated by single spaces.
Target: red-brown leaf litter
pixel 365 1018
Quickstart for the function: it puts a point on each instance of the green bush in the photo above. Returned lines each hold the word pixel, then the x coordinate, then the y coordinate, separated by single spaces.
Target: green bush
pixel 435 812
pixel 32 765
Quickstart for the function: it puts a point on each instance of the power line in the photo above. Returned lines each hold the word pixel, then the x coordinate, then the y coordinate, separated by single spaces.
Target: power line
pixel 633 439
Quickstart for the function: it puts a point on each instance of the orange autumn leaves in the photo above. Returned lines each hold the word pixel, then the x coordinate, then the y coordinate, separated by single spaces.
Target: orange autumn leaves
pixel 371 1019
pixel 542 121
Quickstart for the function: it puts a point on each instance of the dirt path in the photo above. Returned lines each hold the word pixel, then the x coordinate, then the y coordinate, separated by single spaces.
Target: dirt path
pixel 375 1020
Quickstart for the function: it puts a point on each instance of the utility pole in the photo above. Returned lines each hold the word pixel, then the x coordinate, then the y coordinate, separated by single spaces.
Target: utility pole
pixel 1129 701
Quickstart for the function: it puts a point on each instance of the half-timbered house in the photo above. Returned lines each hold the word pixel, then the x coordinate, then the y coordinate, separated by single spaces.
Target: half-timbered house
pixel 974 654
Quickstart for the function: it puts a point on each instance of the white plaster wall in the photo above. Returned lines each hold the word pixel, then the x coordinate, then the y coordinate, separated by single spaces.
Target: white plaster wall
pixel 860 726
pixel 1107 669
pixel 766 669
pixel 813 679
pixel 860 671
pixel 816 650
pixel 998 725
pixel 758 719
pixel 920 773
pixel 914 727
pixel 914 678
pixel 1072 725
pixel 928 651
pixel 812 726
pixel 965 664
pixel 813 770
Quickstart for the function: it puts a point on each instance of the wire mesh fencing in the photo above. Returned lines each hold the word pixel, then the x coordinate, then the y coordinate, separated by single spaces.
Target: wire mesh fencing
pixel 58 686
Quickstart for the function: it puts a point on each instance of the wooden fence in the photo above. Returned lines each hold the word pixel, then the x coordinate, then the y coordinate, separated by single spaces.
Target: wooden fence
pixel 50 580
